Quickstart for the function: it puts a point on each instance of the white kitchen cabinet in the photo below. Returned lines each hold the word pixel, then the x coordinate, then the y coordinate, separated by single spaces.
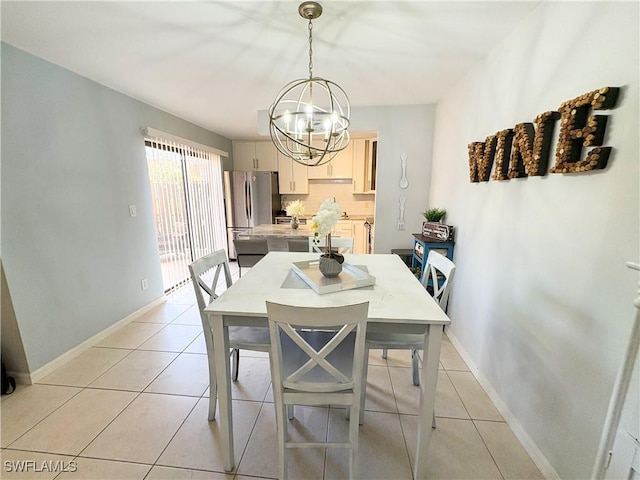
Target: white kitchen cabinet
pixel 359 234
pixel 255 157
pixel 364 165
pixel 342 228
pixel 292 176
pixel 341 166
pixel 354 229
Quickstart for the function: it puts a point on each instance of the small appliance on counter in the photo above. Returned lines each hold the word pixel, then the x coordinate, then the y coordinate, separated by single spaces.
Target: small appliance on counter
pixel 284 220
pixel 251 199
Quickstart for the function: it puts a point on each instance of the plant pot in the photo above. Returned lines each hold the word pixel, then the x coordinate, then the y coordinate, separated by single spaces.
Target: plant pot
pixel 331 265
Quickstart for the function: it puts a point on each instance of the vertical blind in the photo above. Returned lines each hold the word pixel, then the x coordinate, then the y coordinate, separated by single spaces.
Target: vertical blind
pixel 188 202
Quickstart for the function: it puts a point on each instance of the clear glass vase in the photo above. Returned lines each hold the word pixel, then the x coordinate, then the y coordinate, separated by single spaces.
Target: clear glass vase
pixel 294 223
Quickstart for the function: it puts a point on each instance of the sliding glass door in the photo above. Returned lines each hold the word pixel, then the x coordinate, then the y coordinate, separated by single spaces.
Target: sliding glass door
pixel 188 202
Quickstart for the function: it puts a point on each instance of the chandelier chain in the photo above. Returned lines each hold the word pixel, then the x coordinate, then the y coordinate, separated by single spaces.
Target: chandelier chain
pixel 310 49
pixel 309 119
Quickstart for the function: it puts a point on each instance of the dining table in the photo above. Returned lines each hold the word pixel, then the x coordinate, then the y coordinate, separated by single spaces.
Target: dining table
pixel 397 303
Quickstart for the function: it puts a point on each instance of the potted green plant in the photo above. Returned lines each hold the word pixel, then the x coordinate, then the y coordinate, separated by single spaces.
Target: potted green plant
pixel 434 228
pixel 434 214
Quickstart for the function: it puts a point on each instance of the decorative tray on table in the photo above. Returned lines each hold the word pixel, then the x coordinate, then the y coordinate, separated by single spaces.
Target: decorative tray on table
pixel 350 277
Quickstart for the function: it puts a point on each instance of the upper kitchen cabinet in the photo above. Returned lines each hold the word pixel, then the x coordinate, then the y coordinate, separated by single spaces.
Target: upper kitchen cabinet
pixel 364 165
pixel 255 157
pixel 341 166
pixel 292 176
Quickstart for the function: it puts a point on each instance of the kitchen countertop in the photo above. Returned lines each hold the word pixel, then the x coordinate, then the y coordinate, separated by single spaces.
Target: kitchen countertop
pixel 350 217
pixel 279 231
pixel 277 236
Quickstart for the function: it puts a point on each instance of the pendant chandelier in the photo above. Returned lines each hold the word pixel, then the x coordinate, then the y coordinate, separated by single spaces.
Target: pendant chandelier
pixel 309 118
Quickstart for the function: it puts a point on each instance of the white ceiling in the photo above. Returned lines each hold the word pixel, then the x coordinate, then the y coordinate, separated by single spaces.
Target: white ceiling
pixel 217 63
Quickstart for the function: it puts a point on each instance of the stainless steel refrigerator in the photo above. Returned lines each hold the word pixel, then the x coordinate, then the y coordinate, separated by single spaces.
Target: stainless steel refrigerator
pixel 251 199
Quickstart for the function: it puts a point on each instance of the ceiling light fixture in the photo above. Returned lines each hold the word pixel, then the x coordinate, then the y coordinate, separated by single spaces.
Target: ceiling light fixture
pixel 309 118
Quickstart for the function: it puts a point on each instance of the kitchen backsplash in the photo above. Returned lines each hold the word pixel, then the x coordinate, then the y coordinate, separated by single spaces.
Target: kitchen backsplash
pixel 342 190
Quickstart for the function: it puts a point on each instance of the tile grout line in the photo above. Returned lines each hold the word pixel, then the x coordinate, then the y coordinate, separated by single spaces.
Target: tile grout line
pixel 487 447
pixel 395 400
pixel 155 462
pixel 79 454
pixel 46 416
pixel 158 375
pixel 253 427
pixel 128 404
pixel 473 423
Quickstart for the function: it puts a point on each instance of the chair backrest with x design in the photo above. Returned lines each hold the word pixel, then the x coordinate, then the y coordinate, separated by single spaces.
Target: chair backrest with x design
pixel 317 350
pixel 205 275
pixel 438 275
pixel 317 358
pixel 342 244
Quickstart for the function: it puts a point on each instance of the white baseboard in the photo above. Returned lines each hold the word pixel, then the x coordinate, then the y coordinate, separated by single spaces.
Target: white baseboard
pixel 527 442
pixel 46 369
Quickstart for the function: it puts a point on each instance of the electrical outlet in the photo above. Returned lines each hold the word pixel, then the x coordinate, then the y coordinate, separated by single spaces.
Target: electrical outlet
pixel 144 284
pixel 133 211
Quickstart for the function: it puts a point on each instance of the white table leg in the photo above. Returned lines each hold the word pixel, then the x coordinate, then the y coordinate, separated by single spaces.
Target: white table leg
pixel 431 359
pixel 221 354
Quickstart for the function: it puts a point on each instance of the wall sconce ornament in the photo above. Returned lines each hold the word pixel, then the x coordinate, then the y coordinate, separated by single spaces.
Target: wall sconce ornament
pixel 524 150
pixel 404 182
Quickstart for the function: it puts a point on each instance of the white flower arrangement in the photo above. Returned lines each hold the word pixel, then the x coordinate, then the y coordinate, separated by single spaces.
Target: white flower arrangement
pixel 296 209
pixel 326 218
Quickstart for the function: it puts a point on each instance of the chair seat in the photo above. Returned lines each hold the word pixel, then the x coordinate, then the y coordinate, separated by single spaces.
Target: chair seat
pixel 402 341
pixel 250 338
pixel 437 275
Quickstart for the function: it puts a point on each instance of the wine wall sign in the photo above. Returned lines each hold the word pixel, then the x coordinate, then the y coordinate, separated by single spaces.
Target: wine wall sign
pixel 523 151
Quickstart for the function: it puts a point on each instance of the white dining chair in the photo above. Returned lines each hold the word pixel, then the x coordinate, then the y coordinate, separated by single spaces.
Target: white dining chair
pixel 437 279
pixel 319 244
pixel 317 358
pixel 205 276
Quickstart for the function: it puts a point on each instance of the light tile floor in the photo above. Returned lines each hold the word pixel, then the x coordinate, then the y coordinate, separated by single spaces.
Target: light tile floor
pixel 135 407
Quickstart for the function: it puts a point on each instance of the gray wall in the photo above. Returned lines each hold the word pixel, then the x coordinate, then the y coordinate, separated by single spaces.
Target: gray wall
pixel 542 299
pixel 401 129
pixel 72 161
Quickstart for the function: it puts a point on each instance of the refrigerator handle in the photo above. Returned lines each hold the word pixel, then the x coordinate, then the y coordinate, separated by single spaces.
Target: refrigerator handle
pixel 250 201
pixel 246 198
